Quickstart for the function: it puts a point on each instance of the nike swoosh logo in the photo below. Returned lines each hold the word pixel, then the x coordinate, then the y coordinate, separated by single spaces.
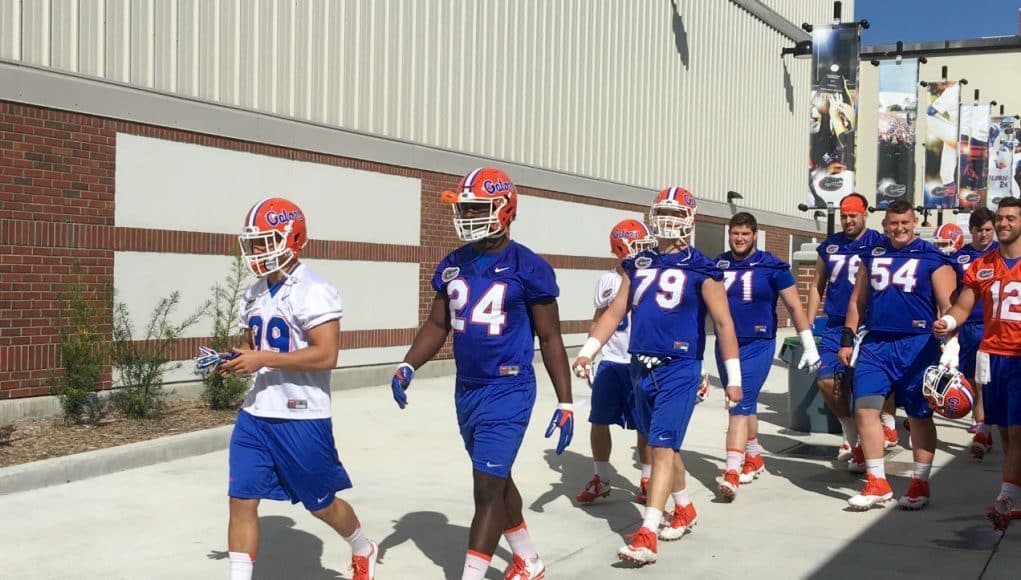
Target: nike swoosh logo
pixel 491 465
pixel 663 438
pixel 501 269
pixel 322 499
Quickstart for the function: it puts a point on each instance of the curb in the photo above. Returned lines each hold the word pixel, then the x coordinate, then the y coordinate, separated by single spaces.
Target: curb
pixel 79 466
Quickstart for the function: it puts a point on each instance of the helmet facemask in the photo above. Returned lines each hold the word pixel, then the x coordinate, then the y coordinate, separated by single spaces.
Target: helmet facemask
pixel 937 381
pixel 478 218
pixel 265 252
pixel 676 225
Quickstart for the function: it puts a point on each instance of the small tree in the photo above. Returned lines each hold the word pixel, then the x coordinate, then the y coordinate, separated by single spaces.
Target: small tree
pixel 226 392
pixel 142 362
pixel 83 350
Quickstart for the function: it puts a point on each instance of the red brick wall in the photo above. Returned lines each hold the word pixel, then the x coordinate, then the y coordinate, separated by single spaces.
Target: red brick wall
pixel 57 200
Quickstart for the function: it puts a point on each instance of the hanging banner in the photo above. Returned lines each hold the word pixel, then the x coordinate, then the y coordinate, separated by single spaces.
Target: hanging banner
pixel 898 111
pixel 939 185
pixel 834 109
pixel 973 180
pixel 1002 142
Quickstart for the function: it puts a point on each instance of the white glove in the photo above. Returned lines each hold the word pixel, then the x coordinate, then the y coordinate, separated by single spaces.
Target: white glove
pixel 951 354
pixel 810 360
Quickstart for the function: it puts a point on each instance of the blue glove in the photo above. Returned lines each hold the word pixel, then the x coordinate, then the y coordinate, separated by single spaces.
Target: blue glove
pixel 209 359
pixel 563 418
pixel 399 384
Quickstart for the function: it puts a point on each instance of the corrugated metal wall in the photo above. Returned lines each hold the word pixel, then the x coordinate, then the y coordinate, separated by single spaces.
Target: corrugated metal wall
pixel 645 93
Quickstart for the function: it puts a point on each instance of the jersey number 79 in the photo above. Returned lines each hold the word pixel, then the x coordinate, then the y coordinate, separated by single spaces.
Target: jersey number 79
pixel 671 286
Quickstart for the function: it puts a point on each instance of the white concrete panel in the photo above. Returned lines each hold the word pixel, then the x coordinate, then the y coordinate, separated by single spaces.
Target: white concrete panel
pixel 577 288
pixel 375 294
pixel 562 227
pixel 141 279
pixel 181 186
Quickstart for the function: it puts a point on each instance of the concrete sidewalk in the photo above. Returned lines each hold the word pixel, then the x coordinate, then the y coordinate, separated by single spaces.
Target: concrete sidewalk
pixel 413 495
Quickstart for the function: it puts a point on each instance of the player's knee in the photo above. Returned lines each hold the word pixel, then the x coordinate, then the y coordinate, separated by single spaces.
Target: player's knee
pixel 489 489
pixel 241 507
pixel 826 385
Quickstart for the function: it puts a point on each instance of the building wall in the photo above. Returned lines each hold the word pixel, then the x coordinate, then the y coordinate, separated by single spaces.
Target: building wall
pixel 637 93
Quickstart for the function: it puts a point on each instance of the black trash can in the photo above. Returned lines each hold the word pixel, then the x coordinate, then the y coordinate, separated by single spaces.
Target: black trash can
pixel 806 409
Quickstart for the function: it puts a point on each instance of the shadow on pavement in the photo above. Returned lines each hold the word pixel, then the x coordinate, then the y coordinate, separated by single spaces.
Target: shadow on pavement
pixel 439 540
pixel 286 552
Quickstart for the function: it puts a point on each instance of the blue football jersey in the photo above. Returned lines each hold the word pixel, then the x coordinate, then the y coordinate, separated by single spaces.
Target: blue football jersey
pixel 901 298
pixel 489 296
pixel 842 259
pixel 962 259
pixel 753 287
pixel 667 310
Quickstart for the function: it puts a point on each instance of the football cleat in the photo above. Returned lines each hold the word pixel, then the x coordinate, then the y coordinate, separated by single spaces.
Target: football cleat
pixel 485 204
pixel 948 392
pixel 642 549
pixel 981 444
pixel 1001 512
pixel 525 569
pixel 889 437
pixel 876 491
pixel 595 489
pixel 642 495
pixel 752 468
pixel 364 567
pixel 630 237
pixel 917 496
pixel 273 235
pixel 857 462
pixel 845 453
pixel 728 486
pixel 681 522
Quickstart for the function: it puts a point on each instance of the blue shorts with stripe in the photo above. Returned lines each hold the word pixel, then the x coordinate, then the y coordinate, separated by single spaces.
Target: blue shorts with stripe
pixel 285 459
pixel 969 336
pixel 1001 396
pixel 665 399
pixel 756 356
pixel 893 362
pixel 493 420
pixel 613 396
pixel 829 345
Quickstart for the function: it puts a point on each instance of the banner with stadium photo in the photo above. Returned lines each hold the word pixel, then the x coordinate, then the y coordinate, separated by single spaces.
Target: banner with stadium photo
pixel 1002 142
pixel 898 111
pixel 973 176
pixel 834 109
pixel 939 181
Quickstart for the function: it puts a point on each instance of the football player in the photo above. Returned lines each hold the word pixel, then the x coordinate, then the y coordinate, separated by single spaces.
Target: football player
pixel 496 296
pixel 900 288
pixel 754 280
pixel 282 445
pixel 835 271
pixel 668 291
pixel 980 224
pixel 994 279
pixel 613 399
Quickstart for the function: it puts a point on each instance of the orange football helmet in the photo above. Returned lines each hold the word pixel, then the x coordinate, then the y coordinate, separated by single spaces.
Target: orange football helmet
pixel 948 392
pixel 672 215
pixel 949 238
pixel 273 235
pixel 630 237
pixel 485 204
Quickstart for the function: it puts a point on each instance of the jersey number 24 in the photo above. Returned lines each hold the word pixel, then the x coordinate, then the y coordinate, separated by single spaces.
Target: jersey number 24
pixel 488 311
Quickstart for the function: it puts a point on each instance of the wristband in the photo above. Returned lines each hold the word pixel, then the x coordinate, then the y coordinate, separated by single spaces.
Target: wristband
pixel 846 337
pixel 566 407
pixel 951 322
pixel 590 348
pixel 733 367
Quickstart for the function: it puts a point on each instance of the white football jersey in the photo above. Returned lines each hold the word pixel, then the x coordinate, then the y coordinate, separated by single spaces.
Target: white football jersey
pixel 615 349
pixel 281 323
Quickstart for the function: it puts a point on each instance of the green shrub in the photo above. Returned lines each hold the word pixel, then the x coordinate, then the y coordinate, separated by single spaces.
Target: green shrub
pixel 226 392
pixel 83 351
pixel 141 362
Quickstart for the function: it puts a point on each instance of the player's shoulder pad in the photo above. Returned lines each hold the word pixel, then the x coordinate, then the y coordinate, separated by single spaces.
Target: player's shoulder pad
pixel 766 259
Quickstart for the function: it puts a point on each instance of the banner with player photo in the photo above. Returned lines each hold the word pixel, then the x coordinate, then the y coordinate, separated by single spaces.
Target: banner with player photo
pixel 834 110
pixel 898 111
pixel 1002 143
pixel 973 177
pixel 939 181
